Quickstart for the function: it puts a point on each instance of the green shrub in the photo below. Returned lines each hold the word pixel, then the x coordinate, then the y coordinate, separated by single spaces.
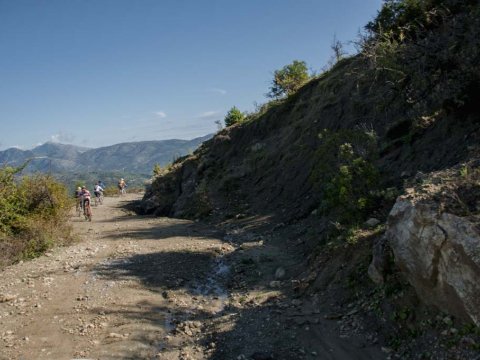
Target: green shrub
pixel 289 79
pixel 33 215
pixel 234 116
pixel 12 203
pixel 345 175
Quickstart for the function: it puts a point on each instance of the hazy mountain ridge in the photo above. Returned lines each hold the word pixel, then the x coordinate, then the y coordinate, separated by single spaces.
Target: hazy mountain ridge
pixel 138 157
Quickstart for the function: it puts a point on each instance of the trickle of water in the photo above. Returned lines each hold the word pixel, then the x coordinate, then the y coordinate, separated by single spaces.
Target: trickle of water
pixel 212 287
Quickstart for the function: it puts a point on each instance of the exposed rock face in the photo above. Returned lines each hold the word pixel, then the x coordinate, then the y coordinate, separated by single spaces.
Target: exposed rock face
pixel 379 262
pixel 439 254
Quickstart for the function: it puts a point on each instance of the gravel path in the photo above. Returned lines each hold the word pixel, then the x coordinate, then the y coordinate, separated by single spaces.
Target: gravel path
pixel 138 287
pixel 118 293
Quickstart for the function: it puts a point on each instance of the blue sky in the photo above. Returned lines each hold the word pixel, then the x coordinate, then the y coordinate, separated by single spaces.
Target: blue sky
pixel 100 72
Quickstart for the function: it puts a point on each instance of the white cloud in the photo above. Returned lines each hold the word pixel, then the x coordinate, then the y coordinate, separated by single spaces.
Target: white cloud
pixel 209 114
pixel 62 137
pixel 161 114
pixel 218 91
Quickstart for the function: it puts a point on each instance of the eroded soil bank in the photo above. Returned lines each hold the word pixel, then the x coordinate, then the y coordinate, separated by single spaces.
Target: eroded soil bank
pixel 142 288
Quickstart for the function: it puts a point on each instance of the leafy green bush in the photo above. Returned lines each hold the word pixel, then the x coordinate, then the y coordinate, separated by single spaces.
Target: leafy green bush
pixel 345 174
pixel 33 215
pixel 234 116
pixel 289 79
pixel 12 203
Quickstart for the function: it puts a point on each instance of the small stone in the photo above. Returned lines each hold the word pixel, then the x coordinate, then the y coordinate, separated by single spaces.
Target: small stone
pixel 7 297
pixel 372 222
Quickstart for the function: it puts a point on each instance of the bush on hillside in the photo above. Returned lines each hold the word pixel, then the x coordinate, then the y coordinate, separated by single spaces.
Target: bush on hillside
pixel 345 174
pixel 289 79
pixel 234 116
pixel 33 215
pixel 428 51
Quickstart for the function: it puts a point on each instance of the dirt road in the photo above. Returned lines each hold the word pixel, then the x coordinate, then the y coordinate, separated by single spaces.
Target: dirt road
pixel 144 288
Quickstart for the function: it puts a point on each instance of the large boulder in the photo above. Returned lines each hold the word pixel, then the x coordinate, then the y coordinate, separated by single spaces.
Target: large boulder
pixel 439 253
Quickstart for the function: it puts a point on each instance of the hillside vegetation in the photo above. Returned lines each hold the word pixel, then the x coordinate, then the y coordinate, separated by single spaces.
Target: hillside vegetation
pixel 323 160
pixel 33 215
pixel 413 88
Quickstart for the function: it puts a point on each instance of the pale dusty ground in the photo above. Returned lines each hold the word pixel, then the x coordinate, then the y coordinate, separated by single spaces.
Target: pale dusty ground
pixel 157 288
pixel 113 295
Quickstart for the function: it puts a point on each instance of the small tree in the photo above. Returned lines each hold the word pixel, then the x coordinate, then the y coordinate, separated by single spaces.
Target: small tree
pixel 289 79
pixel 234 116
pixel 337 48
pixel 338 53
pixel 157 170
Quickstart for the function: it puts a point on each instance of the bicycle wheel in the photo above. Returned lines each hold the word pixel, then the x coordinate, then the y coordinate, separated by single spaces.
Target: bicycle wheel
pixel 88 213
pixel 87 210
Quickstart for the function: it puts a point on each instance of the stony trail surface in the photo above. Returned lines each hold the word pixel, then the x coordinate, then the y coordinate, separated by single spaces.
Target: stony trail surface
pixel 138 287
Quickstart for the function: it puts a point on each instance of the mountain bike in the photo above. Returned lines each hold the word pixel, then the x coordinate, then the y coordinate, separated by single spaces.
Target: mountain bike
pixel 98 198
pixel 87 210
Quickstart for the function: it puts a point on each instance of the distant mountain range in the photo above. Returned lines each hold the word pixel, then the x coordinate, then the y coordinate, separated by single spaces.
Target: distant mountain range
pixel 134 157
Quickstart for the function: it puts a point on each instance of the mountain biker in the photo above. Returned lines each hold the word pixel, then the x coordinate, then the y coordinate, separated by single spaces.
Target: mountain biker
pixel 85 197
pixel 78 192
pixel 122 185
pixel 78 198
pixel 98 189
